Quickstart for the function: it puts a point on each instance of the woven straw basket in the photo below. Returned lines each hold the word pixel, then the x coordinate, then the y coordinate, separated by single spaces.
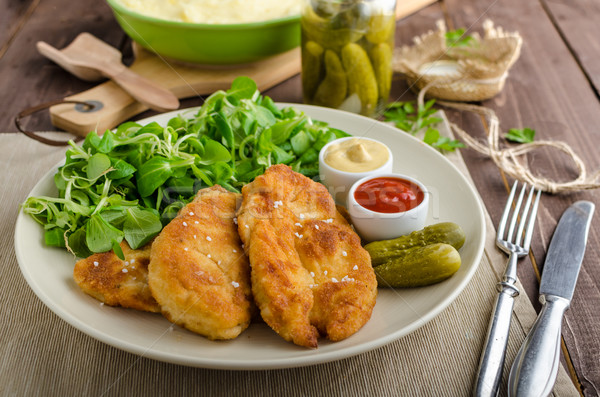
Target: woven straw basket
pixel 469 73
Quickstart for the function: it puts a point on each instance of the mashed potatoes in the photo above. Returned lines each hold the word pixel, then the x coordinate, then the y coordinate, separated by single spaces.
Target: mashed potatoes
pixel 215 11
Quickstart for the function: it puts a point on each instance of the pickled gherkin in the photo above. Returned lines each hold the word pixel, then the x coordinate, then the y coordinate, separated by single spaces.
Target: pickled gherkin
pixel 361 77
pixel 381 56
pixel 360 33
pixel 332 90
pixel 324 31
pixel 445 232
pixel 312 55
pixel 419 266
pixel 381 27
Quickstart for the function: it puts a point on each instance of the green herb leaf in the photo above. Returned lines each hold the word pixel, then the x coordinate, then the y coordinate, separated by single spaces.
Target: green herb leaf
pixel 325 137
pixel 281 131
pixel 265 117
pixel 310 156
pixel 222 172
pixel 241 88
pixel 301 142
pixel 114 216
pixel 116 247
pixel 447 144
pixel 177 122
pixel 457 38
pixel 152 174
pixel 122 169
pixel 127 129
pixel 99 235
pixel 273 109
pixel 523 135
pixel 97 165
pixel 78 245
pixel 153 128
pixel 407 118
pixel 395 113
pixel 224 128
pixel 198 173
pixel 431 136
pixel 213 152
pixel 107 143
pixel 281 156
pixel 55 237
pixel 92 140
pixel 140 227
pixel 170 212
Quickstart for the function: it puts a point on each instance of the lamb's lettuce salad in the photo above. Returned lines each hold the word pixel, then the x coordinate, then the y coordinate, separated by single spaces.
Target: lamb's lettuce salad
pixel 128 183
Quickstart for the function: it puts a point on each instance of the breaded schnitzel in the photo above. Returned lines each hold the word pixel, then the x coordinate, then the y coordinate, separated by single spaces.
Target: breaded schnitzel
pixel 310 275
pixel 198 272
pixel 118 282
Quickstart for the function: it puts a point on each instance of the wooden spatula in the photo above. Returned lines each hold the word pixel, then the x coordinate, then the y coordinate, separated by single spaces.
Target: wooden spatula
pixel 114 105
pixel 91 59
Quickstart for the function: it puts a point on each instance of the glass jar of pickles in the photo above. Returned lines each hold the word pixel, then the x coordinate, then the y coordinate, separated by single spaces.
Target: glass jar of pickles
pixel 347 53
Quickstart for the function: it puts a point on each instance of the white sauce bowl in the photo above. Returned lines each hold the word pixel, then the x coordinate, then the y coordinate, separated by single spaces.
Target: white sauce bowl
pixel 339 182
pixel 374 226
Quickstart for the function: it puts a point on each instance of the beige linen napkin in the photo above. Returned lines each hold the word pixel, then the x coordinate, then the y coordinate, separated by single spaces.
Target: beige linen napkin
pixel 42 355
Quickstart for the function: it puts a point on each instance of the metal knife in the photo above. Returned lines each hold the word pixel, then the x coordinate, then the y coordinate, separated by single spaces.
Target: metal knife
pixel 534 370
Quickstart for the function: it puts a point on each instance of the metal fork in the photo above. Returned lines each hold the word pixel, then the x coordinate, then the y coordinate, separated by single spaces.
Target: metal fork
pixel 516 245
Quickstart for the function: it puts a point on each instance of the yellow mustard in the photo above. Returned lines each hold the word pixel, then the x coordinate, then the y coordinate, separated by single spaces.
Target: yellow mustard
pixel 356 155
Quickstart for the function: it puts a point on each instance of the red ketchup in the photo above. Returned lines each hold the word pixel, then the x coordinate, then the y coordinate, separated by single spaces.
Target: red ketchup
pixel 388 195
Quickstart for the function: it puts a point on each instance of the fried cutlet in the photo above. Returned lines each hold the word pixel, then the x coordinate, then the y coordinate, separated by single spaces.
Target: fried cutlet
pixel 198 271
pixel 118 282
pixel 310 275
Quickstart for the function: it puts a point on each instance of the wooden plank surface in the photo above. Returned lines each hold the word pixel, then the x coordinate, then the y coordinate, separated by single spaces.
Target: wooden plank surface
pixel 13 16
pixel 33 78
pixel 538 95
pixel 577 22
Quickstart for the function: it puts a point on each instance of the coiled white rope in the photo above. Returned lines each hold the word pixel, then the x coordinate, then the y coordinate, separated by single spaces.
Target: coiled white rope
pixel 508 158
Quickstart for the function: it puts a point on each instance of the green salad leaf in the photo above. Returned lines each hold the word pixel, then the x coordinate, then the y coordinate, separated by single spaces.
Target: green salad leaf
pixel 130 182
pixel 140 226
pixel 100 234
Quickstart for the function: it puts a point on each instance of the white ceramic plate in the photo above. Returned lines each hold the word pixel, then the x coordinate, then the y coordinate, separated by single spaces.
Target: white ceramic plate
pixel 397 312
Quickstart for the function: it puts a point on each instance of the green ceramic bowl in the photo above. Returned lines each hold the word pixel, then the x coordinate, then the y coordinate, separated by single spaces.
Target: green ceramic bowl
pixel 207 43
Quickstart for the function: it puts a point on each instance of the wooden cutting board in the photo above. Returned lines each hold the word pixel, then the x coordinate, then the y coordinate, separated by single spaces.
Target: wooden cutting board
pixel 184 80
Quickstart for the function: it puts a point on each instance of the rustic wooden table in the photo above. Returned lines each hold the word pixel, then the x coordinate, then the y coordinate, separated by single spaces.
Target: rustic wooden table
pixel 553 88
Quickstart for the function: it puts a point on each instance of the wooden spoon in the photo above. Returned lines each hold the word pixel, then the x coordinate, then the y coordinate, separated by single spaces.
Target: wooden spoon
pixel 91 59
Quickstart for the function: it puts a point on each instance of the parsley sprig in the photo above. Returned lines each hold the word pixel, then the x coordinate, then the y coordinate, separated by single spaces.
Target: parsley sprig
pixel 413 119
pixel 457 38
pixel 520 135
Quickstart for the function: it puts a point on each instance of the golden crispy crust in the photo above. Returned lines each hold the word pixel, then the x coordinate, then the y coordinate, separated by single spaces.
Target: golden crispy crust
pixel 198 271
pixel 310 275
pixel 118 282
